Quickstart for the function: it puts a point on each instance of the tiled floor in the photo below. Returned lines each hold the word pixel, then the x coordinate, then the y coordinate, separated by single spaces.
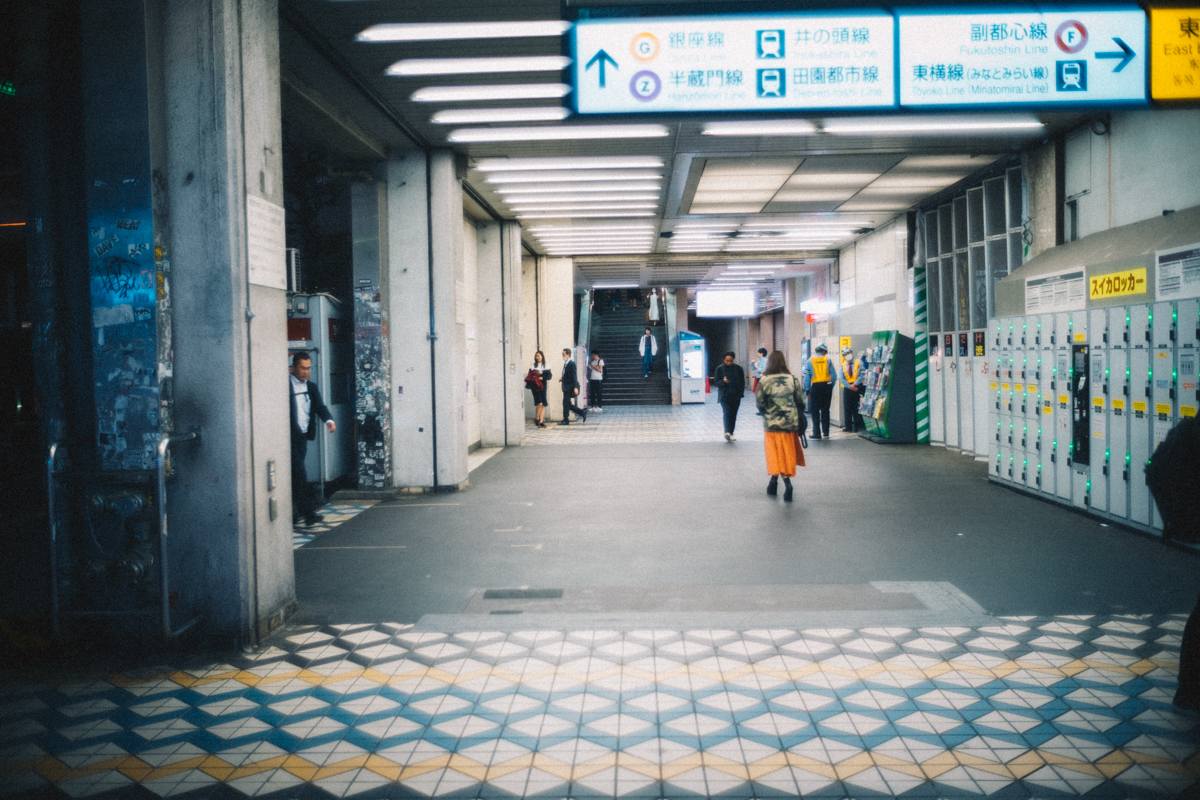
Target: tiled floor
pixel 1026 707
pixel 700 422
pixel 334 514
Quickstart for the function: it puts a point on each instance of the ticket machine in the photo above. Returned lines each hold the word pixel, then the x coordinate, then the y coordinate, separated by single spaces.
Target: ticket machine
pixel 693 364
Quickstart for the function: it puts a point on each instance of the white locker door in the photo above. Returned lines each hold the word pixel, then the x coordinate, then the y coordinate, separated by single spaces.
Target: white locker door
pixel 1062 422
pixel 1118 431
pixel 1139 430
pixel 983 396
pixel 966 397
pixel 1188 346
pixel 1099 449
pixel 950 376
pixel 937 418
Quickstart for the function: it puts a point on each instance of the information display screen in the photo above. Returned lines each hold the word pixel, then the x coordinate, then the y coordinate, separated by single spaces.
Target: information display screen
pixel 733 303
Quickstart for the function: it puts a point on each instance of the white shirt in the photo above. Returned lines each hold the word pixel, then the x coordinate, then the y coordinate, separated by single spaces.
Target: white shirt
pixel 596 370
pixel 303 402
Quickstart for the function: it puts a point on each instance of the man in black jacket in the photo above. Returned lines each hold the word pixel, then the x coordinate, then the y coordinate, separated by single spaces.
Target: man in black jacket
pixel 731 385
pixel 305 407
pixel 570 389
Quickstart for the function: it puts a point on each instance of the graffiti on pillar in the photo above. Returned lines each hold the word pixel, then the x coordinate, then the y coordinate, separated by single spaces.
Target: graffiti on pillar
pixel 125 278
pixel 373 404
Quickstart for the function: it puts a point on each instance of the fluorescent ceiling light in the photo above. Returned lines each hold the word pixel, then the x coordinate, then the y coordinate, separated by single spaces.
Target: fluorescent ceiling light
pixel 472 116
pixel 805 195
pixel 766 127
pixel 504 91
pixel 557 133
pixel 828 180
pixel 477 66
pixel 595 186
pixel 819 222
pixel 582 198
pixel 587 207
pixel 734 196
pixel 740 183
pixel 440 31
pixel 574 176
pixel 568 162
pixel 915 181
pixel 540 229
pixel 588 214
pixel 957 124
pixel 726 208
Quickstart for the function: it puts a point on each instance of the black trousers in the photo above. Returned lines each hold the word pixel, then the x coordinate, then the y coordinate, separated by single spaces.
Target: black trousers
pixel 595 393
pixel 731 405
pixel 569 406
pixel 821 395
pixel 303 500
pixel 851 420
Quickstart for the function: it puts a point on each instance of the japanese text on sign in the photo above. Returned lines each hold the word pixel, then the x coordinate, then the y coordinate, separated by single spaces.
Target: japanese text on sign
pixel 1175 53
pixel 1117 284
pixel 723 63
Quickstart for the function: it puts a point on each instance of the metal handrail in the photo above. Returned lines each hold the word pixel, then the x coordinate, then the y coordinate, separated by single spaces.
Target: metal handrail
pixel 50 461
pixel 161 504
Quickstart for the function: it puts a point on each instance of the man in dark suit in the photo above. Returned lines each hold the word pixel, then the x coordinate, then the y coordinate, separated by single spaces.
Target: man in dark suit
pixel 730 379
pixel 305 407
pixel 570 389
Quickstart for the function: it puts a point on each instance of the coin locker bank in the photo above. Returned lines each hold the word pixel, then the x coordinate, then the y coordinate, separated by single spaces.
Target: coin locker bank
pixel 1081 398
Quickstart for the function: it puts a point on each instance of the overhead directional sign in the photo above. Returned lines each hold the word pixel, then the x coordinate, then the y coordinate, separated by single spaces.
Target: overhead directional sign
pixel 769 62
pixel 1055 56
pixel 1175 53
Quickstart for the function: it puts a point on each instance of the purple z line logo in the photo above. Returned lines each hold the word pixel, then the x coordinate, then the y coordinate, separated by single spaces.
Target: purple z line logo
pixel 645 85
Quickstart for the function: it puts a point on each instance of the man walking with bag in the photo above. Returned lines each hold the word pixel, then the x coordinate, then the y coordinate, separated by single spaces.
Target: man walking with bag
pixel 570 389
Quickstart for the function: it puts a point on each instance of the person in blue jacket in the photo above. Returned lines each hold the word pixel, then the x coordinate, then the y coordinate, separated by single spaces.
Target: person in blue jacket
pixel 818 376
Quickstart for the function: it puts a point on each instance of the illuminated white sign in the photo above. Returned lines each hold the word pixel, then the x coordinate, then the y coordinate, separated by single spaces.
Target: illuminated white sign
pixel 819 305
pixel 769 62
pixel 1022 57
pixel 732 303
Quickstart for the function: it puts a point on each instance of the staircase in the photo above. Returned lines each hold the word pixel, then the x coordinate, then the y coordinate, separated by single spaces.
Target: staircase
pixel 616 334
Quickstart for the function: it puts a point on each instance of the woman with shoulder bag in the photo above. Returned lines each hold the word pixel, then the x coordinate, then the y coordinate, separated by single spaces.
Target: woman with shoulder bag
pixel 780 398
pixel 536 380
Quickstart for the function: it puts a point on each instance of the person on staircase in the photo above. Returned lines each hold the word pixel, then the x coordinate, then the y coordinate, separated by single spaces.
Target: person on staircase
pixel 570 389
pixel 819 375
pixel 652 315
pixel 648 347
pixel 596 382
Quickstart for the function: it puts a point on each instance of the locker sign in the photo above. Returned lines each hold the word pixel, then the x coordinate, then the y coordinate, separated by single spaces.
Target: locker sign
pixel 1117 284
pixel 1162 409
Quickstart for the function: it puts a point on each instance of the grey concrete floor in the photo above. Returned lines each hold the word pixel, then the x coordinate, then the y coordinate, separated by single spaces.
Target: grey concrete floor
pixel 695 514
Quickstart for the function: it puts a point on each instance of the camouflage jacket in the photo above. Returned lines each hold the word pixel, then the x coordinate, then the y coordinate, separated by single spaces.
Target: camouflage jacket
pixel 781 399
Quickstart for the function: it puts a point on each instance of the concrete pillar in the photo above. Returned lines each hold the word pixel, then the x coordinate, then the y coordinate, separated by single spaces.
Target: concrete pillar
pixel 501 372
pixel 230 532
pixel 548 320
pixel 427 311
pixel 372 357
pixel 1043 169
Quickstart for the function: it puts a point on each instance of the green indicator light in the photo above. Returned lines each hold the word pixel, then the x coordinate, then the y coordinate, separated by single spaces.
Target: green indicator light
pixel 1106 454
pixel 1089 484
pixel 1056 442
pixel 1174 315
pixel 8 88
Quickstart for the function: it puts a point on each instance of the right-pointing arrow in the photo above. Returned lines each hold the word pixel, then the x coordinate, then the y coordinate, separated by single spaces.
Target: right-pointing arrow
pixel 1126 54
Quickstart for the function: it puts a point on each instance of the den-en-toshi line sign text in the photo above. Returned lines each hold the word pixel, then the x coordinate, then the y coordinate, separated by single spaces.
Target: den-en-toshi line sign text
pixel 1013 57
pixel 769 62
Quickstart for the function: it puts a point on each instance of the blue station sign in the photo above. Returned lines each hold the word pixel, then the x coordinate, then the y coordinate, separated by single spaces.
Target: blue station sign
pixel 776 62
pixel 1039 58
pixel 861 59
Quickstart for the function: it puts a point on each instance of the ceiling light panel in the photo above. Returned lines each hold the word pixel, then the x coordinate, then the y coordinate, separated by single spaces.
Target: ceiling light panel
pixel 478 116
pixel 568 162
pixel 477 66
pixel 812 195
pixel 586 207
pixel 446 31
pixel 506 91
pixel 932 125
pixel 573 175
pixel 967 163
pixel 557 133
pixel 542 229
pixel 587 215
pixel 733 196
pixel 766 127
pixel 725 208
pixel 827 180
pixel 586 188
pixel 751 166
pixel 723 183
pixel 897 180
pixel 582 198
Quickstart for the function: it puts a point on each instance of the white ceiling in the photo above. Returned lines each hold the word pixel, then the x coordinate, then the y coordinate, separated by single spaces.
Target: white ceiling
pixel 666 200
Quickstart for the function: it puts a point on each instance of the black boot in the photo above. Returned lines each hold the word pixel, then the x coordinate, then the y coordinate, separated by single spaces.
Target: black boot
pixel 787 490
pixel 773 486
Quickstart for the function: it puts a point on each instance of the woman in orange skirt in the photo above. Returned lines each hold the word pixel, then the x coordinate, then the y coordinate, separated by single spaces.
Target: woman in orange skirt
pixel 780 398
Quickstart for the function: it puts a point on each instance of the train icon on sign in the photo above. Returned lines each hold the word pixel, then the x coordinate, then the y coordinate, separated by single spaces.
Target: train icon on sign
pixel 1071 76
pixel 770 83
pixel 770 44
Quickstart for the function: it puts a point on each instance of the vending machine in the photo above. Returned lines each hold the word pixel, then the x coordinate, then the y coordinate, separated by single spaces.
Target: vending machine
pixel 693 365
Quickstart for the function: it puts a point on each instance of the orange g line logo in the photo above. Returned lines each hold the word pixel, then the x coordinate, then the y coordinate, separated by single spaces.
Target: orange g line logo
pixel 644 47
